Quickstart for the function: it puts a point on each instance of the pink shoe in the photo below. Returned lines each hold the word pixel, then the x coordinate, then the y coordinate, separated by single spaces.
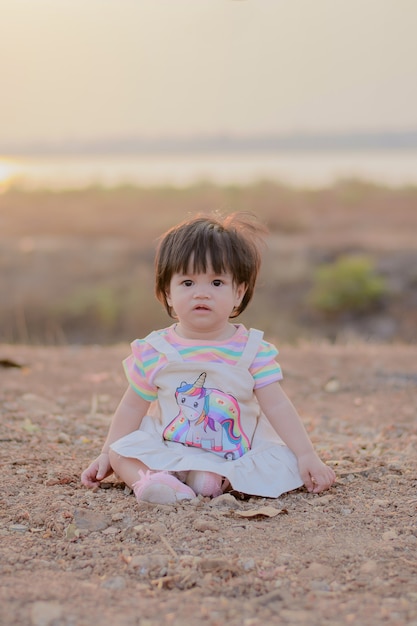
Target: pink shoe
pixel 160 488
pixel 205 483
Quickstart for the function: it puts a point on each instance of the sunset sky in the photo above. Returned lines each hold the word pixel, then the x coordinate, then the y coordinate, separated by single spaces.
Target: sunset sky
pixel 93 69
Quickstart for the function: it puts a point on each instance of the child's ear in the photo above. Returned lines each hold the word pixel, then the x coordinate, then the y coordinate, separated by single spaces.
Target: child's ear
pixel 240 292
pixel 168 298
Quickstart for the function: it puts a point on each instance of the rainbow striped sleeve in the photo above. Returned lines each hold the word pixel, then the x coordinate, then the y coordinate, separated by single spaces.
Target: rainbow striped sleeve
pixel 140 368
pixel 265 369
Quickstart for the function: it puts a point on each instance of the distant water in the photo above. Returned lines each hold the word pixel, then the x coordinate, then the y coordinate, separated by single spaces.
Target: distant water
pixel 298 169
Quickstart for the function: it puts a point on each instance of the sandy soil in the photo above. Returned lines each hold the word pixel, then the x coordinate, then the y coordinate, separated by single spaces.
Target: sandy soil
pixel 70 556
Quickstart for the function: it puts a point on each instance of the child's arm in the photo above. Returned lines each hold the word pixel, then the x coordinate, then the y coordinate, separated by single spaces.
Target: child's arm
pixel 127 418
pixel 284 418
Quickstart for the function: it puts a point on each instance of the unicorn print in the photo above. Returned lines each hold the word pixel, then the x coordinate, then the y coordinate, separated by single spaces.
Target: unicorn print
pixel 208 418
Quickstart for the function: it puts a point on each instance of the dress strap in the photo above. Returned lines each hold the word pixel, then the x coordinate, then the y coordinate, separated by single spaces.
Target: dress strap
pixel 252 346
pixel 164 347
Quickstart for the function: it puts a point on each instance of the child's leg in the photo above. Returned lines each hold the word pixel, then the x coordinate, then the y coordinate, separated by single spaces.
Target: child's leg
pixel 205 483
pixel 126 468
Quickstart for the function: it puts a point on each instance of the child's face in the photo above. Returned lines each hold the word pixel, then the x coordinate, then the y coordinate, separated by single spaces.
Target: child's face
pixel 204 302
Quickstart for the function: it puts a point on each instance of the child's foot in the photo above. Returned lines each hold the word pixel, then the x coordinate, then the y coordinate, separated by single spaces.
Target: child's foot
pixel 205 483
pixel 161 488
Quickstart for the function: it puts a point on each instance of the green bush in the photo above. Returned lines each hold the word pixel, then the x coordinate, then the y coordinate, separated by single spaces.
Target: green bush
pixel 350 284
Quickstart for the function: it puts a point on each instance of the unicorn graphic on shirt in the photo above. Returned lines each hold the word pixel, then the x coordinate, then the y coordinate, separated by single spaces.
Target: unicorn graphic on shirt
pixel 208 418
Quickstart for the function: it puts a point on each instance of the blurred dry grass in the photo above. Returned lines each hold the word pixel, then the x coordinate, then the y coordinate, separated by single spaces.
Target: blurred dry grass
pixel 76 266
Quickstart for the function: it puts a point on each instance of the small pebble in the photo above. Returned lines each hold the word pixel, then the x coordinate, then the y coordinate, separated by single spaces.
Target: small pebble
pixel 389 535
pixel 45 613
pixel 18 528
pixel 225 501
pixel 116 583
pixel 345 511
pixel 63 438
pixel 204 524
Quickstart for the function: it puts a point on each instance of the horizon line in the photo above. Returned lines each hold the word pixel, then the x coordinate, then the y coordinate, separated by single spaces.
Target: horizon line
pixel 218 142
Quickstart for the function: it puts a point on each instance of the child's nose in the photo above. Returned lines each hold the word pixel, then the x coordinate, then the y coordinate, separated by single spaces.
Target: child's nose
pixel 200 292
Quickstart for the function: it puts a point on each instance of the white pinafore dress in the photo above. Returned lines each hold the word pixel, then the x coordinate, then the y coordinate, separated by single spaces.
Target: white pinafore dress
pixel 207 418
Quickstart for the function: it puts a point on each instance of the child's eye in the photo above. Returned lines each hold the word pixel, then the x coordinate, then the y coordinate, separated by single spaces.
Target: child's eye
pixel 217 282
pixel 187 283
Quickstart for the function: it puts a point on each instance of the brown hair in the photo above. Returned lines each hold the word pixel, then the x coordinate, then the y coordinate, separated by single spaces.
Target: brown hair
pixel 230 244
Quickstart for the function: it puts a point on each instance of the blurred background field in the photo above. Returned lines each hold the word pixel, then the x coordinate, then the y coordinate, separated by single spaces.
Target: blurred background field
pixel 76 266
pixel 120 118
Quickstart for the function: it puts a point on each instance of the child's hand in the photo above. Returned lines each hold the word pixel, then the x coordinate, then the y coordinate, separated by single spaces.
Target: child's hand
pixel 99 469
pixel 316 475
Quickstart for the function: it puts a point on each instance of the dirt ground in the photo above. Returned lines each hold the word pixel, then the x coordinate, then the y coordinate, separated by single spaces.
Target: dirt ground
pixel 74 557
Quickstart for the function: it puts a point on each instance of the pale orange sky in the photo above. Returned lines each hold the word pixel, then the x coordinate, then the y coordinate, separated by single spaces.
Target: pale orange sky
pixel 74 69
